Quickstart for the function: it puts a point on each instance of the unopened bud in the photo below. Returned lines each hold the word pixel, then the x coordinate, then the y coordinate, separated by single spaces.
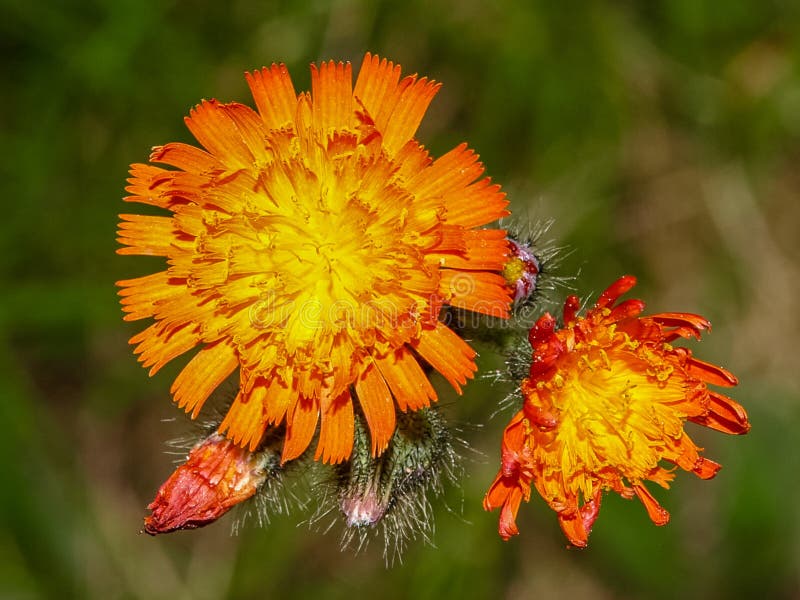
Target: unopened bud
pixel 216 476
pixel 521 270
pixel 364 508
pixel 389 494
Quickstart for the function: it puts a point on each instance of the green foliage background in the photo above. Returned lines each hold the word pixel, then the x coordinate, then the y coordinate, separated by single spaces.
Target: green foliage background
pixel 662 136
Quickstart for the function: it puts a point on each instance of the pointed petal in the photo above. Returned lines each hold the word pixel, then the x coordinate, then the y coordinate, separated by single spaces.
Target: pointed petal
pixel 406 379
pixel 451 172
pixel 207 369
pixel 483 250
pixel 615 290
pixel 274 95
pixel 160 343
pixel 278 400
pixel 246 420
pixel 332 95
pixel 150 185
pixel 149 236
pixel 396 108
pixel 378 407
pixel 705 468
pixel 724 414
pixel 658 515
pixel 211 123
pixel 709 373
pixel 377 79
pixel 336 431
pixel 626 310
pixel 477 204
pixel 140 296
pixel 301 426
pixel 185 157
pixel 478 291
pixel 681 320
pixel 507 526
pixel 448 354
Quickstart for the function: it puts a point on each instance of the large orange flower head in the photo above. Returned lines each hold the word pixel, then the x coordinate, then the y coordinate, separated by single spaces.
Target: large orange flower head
pixel 312 245
pixel 604 408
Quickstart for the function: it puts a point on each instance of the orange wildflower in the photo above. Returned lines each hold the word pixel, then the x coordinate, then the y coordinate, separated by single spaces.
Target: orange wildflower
pixel 311 246
pixel 604 405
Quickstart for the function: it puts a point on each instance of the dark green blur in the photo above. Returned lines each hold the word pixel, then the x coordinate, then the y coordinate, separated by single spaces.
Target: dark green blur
pixel 662 136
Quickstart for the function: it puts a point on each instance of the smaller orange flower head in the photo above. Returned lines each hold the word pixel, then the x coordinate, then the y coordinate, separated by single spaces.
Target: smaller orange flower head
pixel 604 407
pixel 311 245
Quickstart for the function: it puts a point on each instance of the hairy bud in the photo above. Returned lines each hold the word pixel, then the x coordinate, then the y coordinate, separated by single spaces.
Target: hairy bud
pixel 388 495
pixel 216 476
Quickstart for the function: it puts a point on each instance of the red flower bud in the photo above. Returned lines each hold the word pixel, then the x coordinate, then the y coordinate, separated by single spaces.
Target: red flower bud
pixel 216 476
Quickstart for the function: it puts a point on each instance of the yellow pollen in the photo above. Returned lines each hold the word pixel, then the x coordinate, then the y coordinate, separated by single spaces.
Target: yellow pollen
pixel 514 270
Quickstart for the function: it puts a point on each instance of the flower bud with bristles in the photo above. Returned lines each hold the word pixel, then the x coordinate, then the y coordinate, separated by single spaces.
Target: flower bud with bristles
pixel 388 495
pixel 521 270
pixel 216 476
pixel 533 262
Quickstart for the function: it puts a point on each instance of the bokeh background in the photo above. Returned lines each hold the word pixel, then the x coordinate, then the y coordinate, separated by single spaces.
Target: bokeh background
pixel 662 136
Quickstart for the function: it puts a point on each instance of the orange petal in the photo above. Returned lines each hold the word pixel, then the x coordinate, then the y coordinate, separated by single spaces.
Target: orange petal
pixel 712 374
pixel 477 204
pixel 478 291
pixel 412 159
pixel 705 468
pixel 336 430
pixel 207 369
pixel 274 95
pixel 573 527
pixel 615 290
pixel 185 157
pixel 507 526
pixel 658 515
pixel 484 250
pixel 332 95
pixel 150 185
pixel 396 108
pixel 407 381
pixel 451 239
pixel 577 524
pixel 141 295
pixel 419 281
pixel 498 492
pixel 250 128
pixel 683 452
pixel 399 126
pixel 724 414
pixel 626 310
pixel 682 320
pixel 514 435
pixel 279 399
pixel 188 218
pixel 211 123
pixel 301 426
pixel 160 343
pixel 451 172
pixel 148 235
pixel 376 403
pixel 186 308
pixel 246 420
pixel 377 79
pixel 448 354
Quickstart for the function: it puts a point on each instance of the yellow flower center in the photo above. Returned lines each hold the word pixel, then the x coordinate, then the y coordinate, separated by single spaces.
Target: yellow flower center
pixel 513 270
pixel 614 400
pixel 329 249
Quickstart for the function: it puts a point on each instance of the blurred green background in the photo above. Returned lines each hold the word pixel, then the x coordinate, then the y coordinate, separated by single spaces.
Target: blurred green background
pixel 662 136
